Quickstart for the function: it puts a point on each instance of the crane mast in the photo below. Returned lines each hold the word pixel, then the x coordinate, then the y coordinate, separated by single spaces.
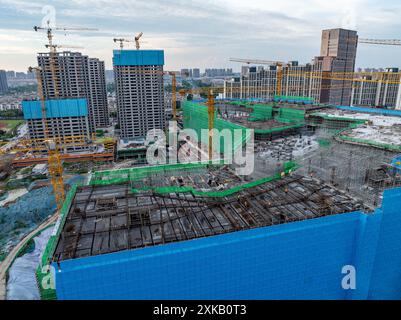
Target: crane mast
pixel 54 162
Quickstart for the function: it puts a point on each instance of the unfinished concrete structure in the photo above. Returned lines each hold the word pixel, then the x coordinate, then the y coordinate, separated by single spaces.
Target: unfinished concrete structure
pixel 260 83
pixel 77 76
pixel 200 231
pixel 182 231
pixel 104 219
pixel 65 118
pixel 139 89
pixel 380 89
pixel 337 58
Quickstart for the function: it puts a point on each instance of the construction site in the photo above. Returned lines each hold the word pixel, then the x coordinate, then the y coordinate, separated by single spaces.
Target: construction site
pixel 324 191
pixel 301 175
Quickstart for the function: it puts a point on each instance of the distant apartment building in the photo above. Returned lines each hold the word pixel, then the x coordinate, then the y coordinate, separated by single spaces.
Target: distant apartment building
pixel 196 73
pixel 3 82
pixel 302 80
pixel 327 79
pixel 139 91
pixel 372 89
pixel 190 73
pixel 185 73
pixel 77 76
pixel 10 74
pixel 261 82
pixel 211 73
pixel 64 118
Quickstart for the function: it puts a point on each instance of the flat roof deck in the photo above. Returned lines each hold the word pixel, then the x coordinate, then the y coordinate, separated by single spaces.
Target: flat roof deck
pixel 105 219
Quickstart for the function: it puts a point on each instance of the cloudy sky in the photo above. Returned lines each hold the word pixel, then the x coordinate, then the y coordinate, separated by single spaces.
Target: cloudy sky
pixel 200 33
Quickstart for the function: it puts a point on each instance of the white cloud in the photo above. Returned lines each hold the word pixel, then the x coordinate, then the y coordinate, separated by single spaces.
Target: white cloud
pixel 203 31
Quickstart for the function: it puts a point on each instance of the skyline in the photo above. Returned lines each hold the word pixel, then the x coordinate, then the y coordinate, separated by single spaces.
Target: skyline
pixel 256 29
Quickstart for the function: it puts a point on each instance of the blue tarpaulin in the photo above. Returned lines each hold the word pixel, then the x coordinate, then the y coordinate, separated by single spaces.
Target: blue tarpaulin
pixel 55 108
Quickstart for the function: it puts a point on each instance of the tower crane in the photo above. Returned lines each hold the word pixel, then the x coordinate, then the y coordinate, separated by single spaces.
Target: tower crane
pixel 136 40
pixel 53 48
pixel 54 162
pixel 121 41
pixel 173 75
pixel 386 42
pixel 138 36
pixel 278 64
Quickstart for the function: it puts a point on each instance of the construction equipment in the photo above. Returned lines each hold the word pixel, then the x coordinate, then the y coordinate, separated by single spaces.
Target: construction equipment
pixel 278 64
pixel 173 75
pixel 210 112
pixel 53 48
pixel 121 41
pixel 55 165
pixel 386 42
pixel 136 40
pixel 139 35
pixel 54 162
pixel 56 46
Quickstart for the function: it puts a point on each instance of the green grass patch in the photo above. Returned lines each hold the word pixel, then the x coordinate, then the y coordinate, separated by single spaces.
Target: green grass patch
pixel 10 124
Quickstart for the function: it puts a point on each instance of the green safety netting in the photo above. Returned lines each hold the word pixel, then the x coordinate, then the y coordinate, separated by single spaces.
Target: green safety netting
pixel 291 115
pixel 324 143
pixel 42 271
pixel 137 173
pixel 287 168
pixel 260 112
pixel 195 116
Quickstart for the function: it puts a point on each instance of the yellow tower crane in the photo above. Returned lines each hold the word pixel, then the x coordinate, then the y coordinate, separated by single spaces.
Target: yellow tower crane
pixel 385 42
pixel 210 112
pixel 53 49
pixel 54 162
pixel 55 165
pixel 136 40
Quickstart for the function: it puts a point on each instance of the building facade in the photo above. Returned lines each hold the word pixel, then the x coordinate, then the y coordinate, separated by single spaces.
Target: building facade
pixel 139 91
pixel 378 89
pixel 3 82
pixel 77 76
pixel 261 82
pixel 338 55
pixel 65 118
pixel 327 79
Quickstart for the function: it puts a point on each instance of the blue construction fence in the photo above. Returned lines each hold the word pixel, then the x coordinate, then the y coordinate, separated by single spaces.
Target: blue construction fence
pixel 299 260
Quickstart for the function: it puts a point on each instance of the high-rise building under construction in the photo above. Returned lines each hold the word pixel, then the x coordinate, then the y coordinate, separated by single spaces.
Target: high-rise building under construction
pixel 139 89
pixel 337 54
pixel 77 76
pixel 336 60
